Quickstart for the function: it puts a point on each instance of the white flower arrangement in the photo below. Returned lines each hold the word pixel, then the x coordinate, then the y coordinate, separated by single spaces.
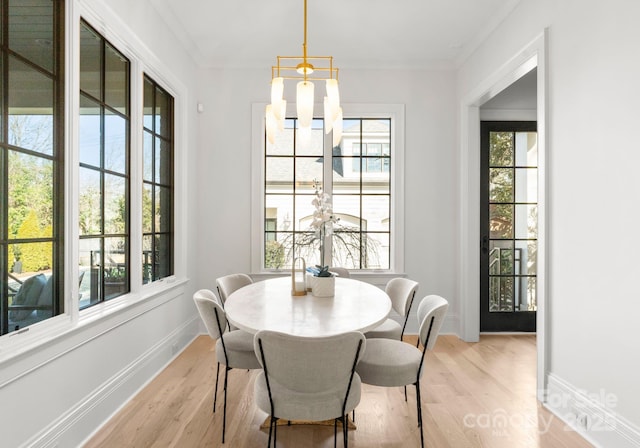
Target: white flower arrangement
pixel 323 217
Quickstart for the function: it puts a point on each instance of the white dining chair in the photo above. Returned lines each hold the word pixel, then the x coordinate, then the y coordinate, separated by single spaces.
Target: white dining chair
pixel 393 363
pixel 401 291
pixel 229 283
pixel 342 272
pixel 234 349
pixel 307 378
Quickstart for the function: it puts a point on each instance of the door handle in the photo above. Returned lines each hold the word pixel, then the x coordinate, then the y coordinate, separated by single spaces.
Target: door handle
pixel 484 245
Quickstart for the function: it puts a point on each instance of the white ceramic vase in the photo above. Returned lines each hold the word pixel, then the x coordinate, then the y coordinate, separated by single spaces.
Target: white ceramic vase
pixel 324 286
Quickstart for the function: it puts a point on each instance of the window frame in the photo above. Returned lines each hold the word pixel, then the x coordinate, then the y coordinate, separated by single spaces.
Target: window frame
pixel 141 296
pixel 107 110
pixel 58 75
pixel 394 112
pixel 155 183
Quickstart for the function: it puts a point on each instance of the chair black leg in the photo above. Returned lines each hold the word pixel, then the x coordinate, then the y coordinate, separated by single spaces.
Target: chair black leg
pixel 345 430
pixel 224 414
pixel 215 391
pixel 405 393
pixel 270 431
pixel 275 431
pixel 419 407
pixel 335 432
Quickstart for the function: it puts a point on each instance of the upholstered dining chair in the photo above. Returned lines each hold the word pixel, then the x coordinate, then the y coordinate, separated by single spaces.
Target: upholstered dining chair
pixel 342 272
pixel 392 363
pixel 234 349
pixel 227 284
pixel 401 291
pixel 308 378
pixel 230 283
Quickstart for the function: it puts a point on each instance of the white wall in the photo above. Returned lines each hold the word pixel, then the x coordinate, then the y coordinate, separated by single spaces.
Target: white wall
pixel 593 191
pixel 60 391
pixel 430 186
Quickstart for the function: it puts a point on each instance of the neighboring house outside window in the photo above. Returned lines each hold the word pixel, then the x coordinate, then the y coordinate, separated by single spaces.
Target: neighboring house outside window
pixel 104 130
pixel 157 195
pixel 31 162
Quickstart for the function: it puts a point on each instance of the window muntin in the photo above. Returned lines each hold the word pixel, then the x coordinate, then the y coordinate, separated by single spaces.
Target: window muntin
pixel 360 185
pixel 157 194
pixel 104 137
pixel 31 162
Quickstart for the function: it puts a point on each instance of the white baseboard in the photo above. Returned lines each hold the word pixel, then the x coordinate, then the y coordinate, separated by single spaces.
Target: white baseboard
pixel 81 422
pixel 589 414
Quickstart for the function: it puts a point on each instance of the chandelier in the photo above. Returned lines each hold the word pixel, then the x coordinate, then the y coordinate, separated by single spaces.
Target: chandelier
pixel 305 69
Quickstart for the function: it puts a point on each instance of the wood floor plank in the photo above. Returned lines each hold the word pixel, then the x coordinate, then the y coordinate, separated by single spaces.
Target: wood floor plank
pixel 473 394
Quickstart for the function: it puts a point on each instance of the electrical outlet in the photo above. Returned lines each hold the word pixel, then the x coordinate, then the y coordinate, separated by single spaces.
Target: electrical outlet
pixel 583 421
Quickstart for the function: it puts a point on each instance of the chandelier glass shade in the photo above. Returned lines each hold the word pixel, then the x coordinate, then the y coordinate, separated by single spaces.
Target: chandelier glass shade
pixel 304 69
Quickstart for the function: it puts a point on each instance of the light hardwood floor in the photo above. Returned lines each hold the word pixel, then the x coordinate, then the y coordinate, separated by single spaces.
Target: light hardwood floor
pixel 474 395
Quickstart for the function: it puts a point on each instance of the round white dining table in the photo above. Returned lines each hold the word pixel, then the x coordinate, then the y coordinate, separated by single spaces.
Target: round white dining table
pixel 269 305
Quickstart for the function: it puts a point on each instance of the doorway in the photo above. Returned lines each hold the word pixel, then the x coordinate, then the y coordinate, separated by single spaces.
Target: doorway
pixel 508 226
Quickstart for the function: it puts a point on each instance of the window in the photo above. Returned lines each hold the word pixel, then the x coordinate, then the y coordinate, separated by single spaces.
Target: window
pixel 104 169
pixel 359 175
pixel 31 162
pixel 157 188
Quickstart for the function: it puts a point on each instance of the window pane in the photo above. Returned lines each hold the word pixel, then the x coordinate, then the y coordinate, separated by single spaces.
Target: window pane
pixel 347 205
pixel 310 142
pixel 526 149
pixel 375 248
pixel 283 144
pixel 526 221
pixel 375 211
pixel 279 175
pixel 89 132
pixel 147 211
pixel 501 221
pixel 164 267
pixel 30 297
pixel 527 252
pixel 115 205
pixel 501 185
pixel 29 196
pixel 163 123
pixel 115 146
pixel 30 108
pixel 148 105
pixel 89 202
pixel 116 80
pixel 31 31
pixel 163 209
pixel 147 156
pixel 147 259
pixel 163 162
pixel 90 263
pixel 304 212
pixel 90 56
pixel 280 209
pixel 526 185
pixel 501 149
pixel 116 281
pixel 307 170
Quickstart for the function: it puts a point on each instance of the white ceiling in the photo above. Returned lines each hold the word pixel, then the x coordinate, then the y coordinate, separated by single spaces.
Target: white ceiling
pixel 357 33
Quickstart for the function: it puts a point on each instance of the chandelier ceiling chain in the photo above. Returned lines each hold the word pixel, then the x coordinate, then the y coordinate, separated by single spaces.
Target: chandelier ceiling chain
pixel 322 69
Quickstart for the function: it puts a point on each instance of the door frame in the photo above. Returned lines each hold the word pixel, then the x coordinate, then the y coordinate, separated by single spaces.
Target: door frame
pixel 531 56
